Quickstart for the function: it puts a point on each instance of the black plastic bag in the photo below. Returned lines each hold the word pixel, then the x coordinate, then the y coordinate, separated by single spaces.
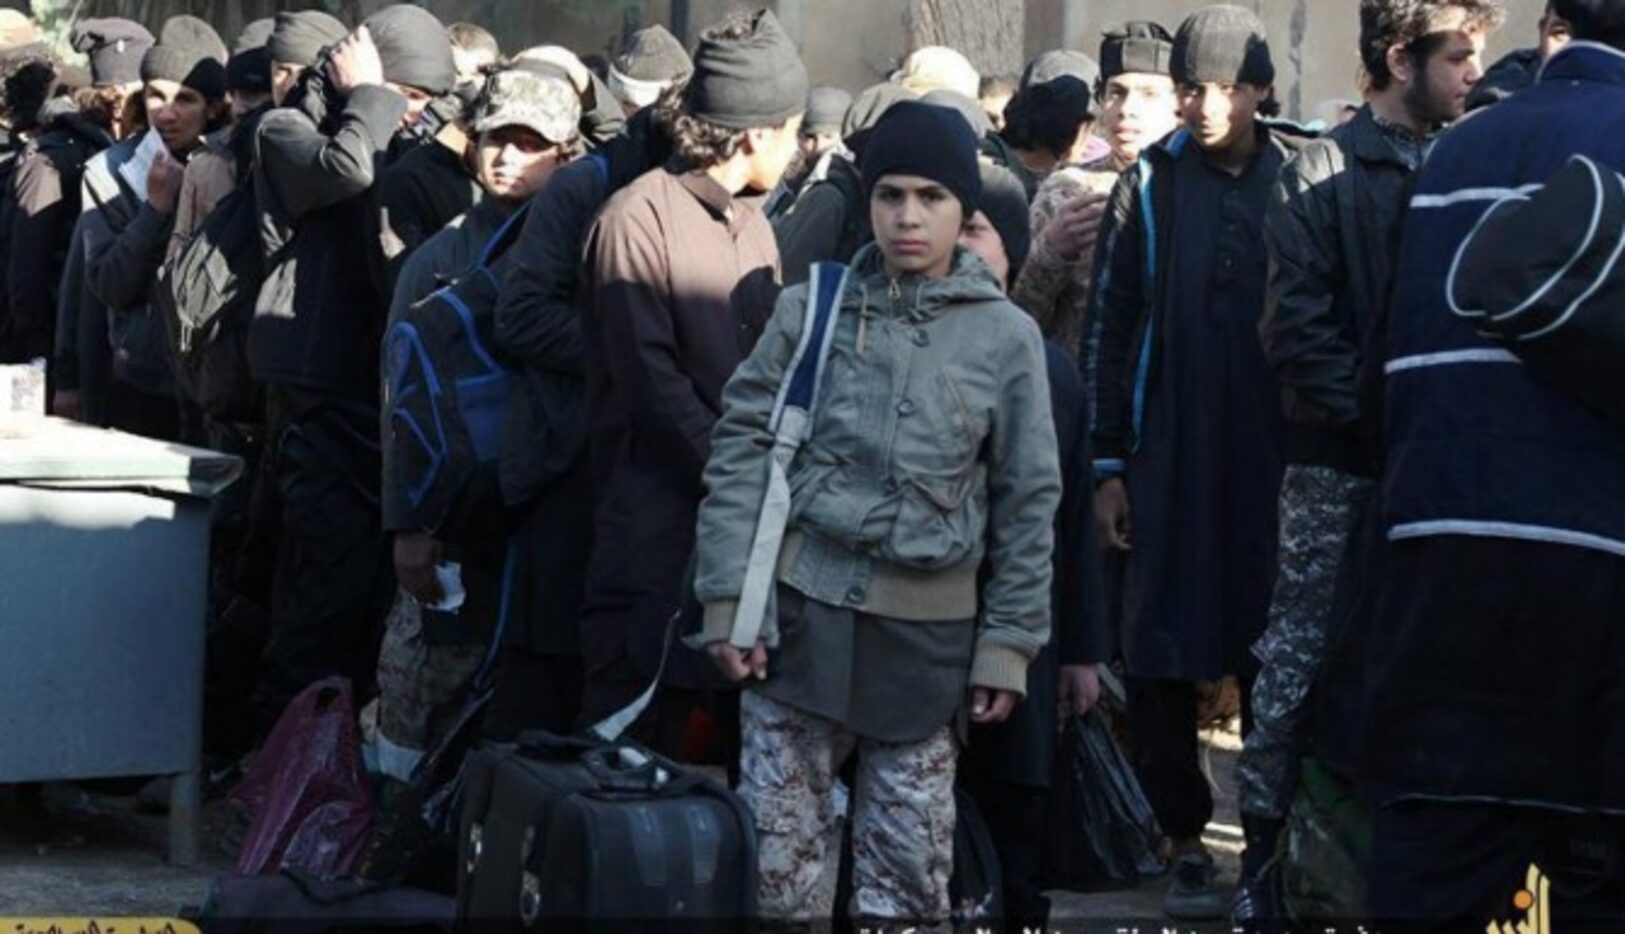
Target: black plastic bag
pixel 1104 834
pixel 976 888
pixel 415 839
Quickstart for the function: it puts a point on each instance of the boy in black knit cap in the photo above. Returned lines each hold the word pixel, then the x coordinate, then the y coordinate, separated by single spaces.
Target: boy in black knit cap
pixel 1188 431
pixel 930 456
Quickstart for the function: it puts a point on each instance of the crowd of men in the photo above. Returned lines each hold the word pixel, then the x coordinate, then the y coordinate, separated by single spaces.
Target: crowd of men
pixel 1124 371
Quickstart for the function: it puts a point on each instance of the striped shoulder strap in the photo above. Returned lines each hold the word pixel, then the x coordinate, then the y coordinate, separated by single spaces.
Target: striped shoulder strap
pixel 799 389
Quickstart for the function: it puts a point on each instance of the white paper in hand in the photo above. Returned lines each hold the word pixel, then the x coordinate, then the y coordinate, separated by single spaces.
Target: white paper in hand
pixel 135 171
pixel 450 576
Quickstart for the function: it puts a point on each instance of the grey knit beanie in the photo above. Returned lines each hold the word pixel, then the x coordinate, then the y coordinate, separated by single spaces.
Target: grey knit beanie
pixel 299 37
pixel 1224 45
pixel 188 52
pixel 756 80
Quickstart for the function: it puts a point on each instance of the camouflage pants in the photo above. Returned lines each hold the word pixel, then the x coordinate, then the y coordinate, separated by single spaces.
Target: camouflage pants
pixel 421 688
pixel 903 817
pixel 1320 508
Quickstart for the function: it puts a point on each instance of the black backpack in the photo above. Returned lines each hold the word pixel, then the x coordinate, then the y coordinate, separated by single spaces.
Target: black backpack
pixel 207 302
pixel 446 395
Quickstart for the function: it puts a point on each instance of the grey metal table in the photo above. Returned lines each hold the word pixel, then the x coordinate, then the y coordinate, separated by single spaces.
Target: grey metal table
pixel 104 551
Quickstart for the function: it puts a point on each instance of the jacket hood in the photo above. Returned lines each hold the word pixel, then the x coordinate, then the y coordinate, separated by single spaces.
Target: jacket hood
pixel 970 282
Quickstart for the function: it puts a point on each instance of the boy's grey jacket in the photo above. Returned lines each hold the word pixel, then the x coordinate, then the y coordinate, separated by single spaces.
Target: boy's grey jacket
pixel 932 449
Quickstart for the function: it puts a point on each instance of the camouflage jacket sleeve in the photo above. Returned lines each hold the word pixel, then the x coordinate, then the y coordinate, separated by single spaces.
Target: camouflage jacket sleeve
pixel 1045 276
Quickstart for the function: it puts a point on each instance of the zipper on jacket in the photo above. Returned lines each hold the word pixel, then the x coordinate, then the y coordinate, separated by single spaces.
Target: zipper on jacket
pixel 863 318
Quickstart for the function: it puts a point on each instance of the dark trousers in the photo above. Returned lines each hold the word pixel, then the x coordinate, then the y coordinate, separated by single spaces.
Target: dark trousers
pixel 1457 866
pixel 1016 817
pixel 1166 754
pixel 334 579
pixel 239 619
pixel 140 413
pixel 534 691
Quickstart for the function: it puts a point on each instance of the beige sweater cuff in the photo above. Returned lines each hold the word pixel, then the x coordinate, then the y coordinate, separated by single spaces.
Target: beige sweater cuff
pixel 999 668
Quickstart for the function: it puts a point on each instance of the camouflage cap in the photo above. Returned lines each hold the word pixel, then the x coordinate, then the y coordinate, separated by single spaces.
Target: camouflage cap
pixel 545 103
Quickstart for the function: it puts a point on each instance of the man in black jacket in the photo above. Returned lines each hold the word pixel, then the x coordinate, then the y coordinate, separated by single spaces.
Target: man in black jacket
pixel 525 127
pixel 314 342
pixel 1332 231
pixel 43 204
pixel 129 210
pixel 544 471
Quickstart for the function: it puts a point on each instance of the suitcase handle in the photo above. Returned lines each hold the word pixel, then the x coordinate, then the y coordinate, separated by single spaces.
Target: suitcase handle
pixel 628 770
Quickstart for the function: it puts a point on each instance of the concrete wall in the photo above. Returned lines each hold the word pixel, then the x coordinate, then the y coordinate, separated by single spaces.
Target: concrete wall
pixel 854 43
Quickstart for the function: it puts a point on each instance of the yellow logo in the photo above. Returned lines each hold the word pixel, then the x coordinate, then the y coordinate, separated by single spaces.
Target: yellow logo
pixel 96 926
pixel 1535 901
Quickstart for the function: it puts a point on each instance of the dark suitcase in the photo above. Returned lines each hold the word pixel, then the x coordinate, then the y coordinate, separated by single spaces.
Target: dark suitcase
pixel 557 832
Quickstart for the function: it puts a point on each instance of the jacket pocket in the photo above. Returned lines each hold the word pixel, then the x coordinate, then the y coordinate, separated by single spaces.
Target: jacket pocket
pixel 935 469
pixel 937 524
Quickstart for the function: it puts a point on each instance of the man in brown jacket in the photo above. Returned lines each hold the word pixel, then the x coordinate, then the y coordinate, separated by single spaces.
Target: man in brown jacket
pixel 682 273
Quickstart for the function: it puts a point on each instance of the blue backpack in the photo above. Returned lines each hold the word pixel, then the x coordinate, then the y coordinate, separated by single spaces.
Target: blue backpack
pixel 446 395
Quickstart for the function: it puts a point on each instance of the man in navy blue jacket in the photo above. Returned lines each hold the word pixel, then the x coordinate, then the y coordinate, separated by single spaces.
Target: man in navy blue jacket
pixel 1495 736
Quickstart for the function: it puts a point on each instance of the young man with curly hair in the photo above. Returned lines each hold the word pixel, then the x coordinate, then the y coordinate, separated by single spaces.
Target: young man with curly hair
pixel 1333 232
pixel 682 274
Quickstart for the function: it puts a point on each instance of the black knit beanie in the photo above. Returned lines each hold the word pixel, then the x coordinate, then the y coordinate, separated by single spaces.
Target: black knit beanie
pixel 1224 45
pixel 299 38
pixel 189 52
pixel 1048 116
pixel 1140 47
pixel 754 81
pixel 248 71
pixel 916 138
pixel 1004 201
pixel 414 48
pixel 115 47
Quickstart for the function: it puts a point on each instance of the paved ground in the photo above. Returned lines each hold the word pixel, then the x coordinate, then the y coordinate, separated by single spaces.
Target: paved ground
pixel 71 852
